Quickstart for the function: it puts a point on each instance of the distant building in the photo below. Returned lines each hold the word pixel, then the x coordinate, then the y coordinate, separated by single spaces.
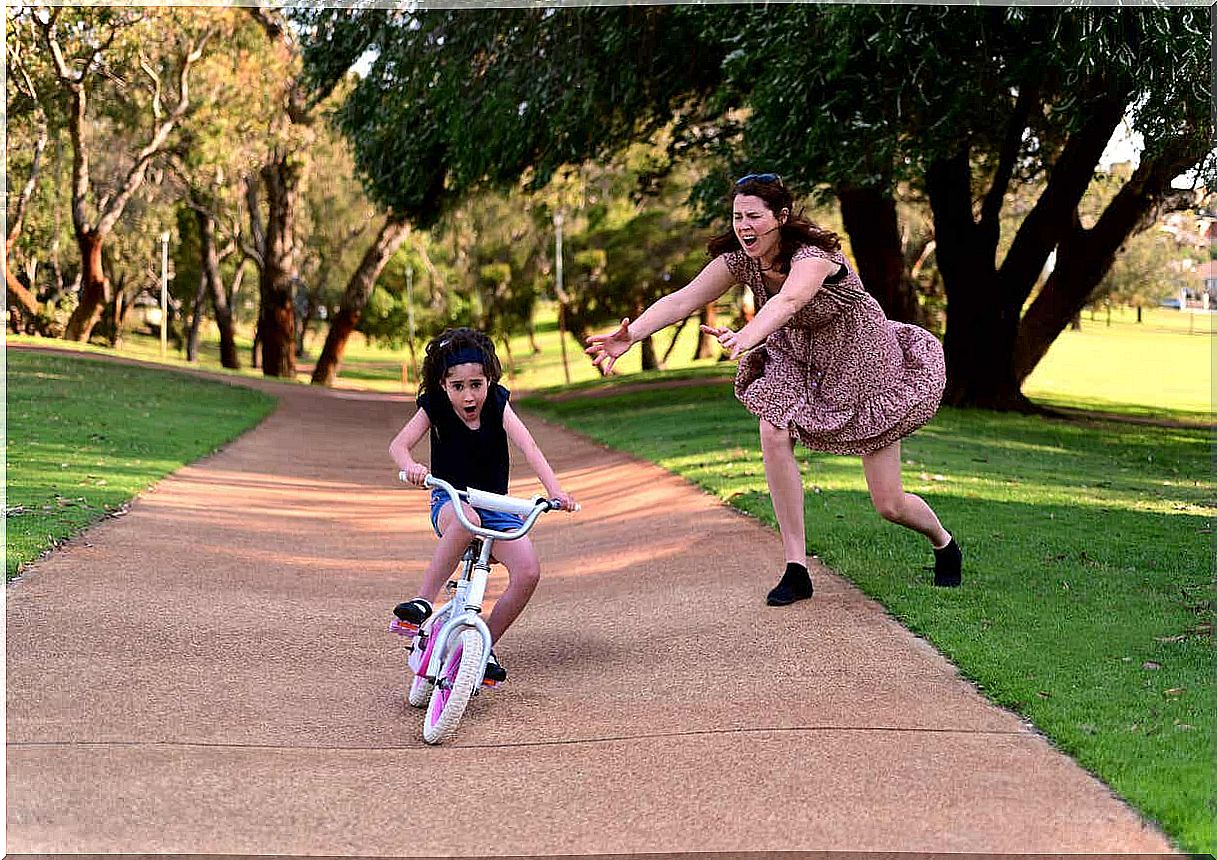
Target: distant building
pixel 1206 278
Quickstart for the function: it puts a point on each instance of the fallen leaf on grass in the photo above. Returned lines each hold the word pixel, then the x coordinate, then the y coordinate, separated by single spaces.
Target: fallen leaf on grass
pixel 1174 691
pixel 1150 664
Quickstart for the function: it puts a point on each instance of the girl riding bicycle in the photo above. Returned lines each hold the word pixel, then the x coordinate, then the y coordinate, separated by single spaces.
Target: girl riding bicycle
pixel 464 411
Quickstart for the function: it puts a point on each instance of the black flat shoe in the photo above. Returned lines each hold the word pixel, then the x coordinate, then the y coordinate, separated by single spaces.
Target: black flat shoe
pixel 495 673
pixel 948 565
pixel 794 585
pixel 414 611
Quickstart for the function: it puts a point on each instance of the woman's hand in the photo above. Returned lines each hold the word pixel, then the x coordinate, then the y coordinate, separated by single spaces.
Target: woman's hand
pixel 727 339
pixel 568 502
pixel 605 349
pixel 415 473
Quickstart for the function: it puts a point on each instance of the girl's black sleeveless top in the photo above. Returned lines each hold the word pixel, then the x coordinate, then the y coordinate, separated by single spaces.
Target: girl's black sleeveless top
pixel 469 458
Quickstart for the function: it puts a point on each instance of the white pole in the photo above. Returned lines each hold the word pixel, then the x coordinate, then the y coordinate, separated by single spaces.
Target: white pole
pixel 410 317
pixel 559 292
pixel 164 293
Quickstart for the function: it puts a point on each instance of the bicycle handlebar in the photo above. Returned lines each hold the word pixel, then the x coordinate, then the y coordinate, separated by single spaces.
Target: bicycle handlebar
pixel 530 509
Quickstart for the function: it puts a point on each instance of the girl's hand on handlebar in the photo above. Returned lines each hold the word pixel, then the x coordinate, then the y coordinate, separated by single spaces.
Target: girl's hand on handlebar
pixel 567 501
pixel 415 474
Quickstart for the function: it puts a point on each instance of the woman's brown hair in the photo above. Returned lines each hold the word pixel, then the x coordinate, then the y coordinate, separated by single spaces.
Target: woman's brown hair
pixel 795 232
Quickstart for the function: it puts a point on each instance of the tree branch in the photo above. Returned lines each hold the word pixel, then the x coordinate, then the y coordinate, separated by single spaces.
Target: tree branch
pixel 27 192
pixel 156 85
pixel 135 175
pixel 255 249
pixel 990 210
pixel 1048 220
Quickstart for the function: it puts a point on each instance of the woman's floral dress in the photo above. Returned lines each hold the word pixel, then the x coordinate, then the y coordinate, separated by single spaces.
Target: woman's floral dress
pixel 839 375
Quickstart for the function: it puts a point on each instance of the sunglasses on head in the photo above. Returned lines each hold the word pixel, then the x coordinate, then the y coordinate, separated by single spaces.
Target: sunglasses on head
pixel 764 178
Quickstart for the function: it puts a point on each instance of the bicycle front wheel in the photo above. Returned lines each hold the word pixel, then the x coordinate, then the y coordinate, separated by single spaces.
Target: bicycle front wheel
pixel 458 678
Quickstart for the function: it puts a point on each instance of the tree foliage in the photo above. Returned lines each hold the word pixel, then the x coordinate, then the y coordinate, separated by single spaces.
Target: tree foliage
pixel 960 104
pixel 491 95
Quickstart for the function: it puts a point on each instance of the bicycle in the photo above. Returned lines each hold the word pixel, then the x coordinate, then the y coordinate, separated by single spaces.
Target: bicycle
pixel 448 667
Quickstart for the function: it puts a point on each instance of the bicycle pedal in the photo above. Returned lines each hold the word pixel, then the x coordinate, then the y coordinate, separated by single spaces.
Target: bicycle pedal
pixel 403 628
pixel 491 684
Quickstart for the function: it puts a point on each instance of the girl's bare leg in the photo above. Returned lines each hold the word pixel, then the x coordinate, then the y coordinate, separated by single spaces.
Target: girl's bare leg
pixel 786 490
pixel 523 574
pixel 882 470
pixel 452 543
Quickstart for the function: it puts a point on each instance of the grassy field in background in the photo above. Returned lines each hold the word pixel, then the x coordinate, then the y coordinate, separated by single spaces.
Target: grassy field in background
pixel 1159 367
pixel 1087 603
pixel 1153 368
pixel 83 437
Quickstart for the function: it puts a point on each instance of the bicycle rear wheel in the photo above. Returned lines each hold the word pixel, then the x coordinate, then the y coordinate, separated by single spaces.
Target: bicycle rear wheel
pixel 459 677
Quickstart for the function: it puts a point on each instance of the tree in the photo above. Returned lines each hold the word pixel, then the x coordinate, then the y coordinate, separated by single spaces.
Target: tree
pixel 90 49
pixel 966 104
pixel 24 101
pixel 278 181
pixel 1150 267
pixel 491 95
pixel 359 288
pixel 961 105
pixel 221 141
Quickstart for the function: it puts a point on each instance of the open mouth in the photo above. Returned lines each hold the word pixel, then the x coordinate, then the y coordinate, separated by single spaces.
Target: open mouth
pixel 471 411
pixel 749 241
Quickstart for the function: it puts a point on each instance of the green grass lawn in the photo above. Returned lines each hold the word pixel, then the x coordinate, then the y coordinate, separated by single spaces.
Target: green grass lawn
pixel 83 437
pixel 1159 367
pixel 1088 597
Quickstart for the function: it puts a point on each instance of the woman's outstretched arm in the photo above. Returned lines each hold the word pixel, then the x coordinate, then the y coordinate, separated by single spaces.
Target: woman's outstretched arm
pixel 710 283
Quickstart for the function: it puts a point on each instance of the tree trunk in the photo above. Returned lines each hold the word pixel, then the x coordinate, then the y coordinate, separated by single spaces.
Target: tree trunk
pixel 94 288
pixel 649 359
pixel 707 345
pixel 511 360
pixel 1085 256
pixel 355 298
pixel 209 265
pixel 981 324
pixel 277 279
pixel 680 326
pixel 121 306
pixel 17 291
pixel 874 236
pixel 196 315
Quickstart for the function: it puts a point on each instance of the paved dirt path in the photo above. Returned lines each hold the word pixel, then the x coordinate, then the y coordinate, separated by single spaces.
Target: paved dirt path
pixel 212 674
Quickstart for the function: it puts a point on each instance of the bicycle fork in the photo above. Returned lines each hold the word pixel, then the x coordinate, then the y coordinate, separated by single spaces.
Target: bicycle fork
pixel 466 604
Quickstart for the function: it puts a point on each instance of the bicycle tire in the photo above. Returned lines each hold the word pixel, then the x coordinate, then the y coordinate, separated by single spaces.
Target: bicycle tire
pixel 458 678
pixel 419 691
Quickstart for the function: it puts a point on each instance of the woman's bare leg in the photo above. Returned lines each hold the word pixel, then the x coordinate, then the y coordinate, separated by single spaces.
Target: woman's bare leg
pixel 882 470
pixel 785 489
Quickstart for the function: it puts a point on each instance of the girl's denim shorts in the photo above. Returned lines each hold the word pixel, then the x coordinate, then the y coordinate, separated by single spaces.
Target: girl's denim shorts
pixel 497 520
